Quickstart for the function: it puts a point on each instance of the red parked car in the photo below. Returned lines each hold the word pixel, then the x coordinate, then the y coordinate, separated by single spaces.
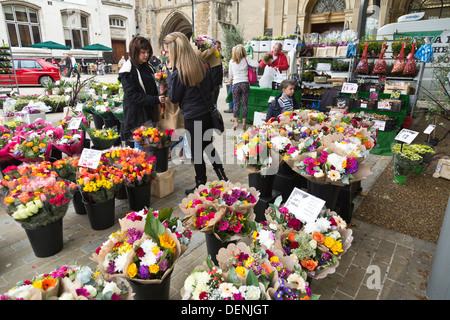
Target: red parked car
pixel 33 71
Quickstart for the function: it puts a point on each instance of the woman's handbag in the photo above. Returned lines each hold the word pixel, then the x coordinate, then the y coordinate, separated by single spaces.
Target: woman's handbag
pixel 252 77
pixel 217 119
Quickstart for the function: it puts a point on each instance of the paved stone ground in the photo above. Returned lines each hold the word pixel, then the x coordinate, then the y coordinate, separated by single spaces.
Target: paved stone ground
pixel 380 265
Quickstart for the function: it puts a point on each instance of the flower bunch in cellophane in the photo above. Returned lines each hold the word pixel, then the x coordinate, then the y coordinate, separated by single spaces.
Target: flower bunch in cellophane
pixel 7 144
pixel 142 256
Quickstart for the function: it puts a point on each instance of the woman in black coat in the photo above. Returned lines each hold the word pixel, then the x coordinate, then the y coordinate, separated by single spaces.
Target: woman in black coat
pixel 190 84
pixel 140 92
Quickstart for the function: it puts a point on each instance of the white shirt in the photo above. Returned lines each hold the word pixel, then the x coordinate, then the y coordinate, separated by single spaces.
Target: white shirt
pixel 238 72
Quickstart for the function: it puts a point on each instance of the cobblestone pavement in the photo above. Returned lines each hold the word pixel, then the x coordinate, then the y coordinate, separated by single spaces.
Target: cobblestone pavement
pixel 380 265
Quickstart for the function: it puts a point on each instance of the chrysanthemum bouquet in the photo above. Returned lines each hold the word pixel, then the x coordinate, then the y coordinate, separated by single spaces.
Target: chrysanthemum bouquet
pixel 103 138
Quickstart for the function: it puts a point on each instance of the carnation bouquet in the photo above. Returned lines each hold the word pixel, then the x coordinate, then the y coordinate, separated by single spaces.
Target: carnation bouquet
pixel 149 137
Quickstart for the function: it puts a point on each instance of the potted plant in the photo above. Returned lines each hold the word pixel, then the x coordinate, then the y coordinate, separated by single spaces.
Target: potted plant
pixel 49 86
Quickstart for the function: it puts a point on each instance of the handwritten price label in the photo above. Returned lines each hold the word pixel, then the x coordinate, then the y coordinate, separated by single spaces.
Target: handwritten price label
pixel 384 105
pixel 304 206
pixel 348 87
pixel 74 124
pixel 380 125
pixel 90 158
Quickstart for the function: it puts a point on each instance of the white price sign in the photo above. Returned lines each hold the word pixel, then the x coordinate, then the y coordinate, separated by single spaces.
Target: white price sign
pixel 259 118
pixel 380 125
pixel 429 129
pixel 323 67
pixel 406 136
pixel 384 105
pixel 74 124
pixel 348 87
pixel 304 206
pixel 90 158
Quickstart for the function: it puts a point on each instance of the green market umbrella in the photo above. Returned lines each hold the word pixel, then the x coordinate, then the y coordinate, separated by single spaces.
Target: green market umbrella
pixel 97 47
pixel 50 45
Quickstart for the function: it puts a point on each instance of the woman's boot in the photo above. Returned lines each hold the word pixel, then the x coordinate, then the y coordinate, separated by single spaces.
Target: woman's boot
pixel 197 183
pixel 221 174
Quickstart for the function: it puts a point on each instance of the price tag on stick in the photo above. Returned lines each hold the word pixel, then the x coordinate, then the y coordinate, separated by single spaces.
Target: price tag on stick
pixel 406 136
pixel 90 158
pixel 74 124
pixel 348 87
pixel 304 206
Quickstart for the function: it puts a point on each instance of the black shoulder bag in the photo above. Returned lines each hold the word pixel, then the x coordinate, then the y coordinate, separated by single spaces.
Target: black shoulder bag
pixel 217 119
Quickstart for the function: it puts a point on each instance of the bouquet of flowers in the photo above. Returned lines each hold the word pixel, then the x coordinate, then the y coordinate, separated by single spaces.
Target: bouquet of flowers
pixel 70 283
pixel 253 149
pixel 149 137
pixel 118 113
pixel 405 160
pixel 137 220
pixel 103 138
pixel 239 196
pixel 37 201
pixel 138 170
pixel 12 125
pixel 161 79
pixel 143 257
pixel 211 283
pixel 6 144
pixel 70 144
pixel 280 215
pixel 33 147
pixel 99 185
pixel 234 225
pixel 66 168
pixel 204 43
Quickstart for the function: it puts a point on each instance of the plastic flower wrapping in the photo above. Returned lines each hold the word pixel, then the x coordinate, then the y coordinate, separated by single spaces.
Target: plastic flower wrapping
pixel 141 255
pixel 70 283
pixel 221 208
pixel 407 157
pixel 72 142
pixel 6 144
pixel 34 196
pixel 149 137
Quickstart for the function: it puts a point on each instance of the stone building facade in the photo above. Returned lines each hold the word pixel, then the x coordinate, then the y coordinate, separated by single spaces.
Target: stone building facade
pixel 156 18
pixel 74 23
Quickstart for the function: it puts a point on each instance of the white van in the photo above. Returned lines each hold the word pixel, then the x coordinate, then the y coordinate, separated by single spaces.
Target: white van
pixel 411 25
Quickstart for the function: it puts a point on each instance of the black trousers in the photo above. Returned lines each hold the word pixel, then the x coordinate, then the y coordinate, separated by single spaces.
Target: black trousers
pixel 199 143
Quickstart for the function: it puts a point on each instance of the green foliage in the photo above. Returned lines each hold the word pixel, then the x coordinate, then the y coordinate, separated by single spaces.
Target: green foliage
pixel 233 37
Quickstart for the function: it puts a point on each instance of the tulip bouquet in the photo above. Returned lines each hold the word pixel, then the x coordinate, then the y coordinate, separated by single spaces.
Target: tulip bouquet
pixel 161 79
pixel 138 170
pixel 101 184
pixel 149 137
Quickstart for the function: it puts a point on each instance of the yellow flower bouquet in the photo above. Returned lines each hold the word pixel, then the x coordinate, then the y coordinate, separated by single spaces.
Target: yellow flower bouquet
pixel 103 138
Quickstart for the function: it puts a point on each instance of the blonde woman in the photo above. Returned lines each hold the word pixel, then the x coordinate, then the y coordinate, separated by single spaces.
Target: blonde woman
pixel 190 85
pixel 238 78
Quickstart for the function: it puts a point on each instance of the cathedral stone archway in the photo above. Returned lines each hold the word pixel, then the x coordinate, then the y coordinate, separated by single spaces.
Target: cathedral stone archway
pixel 175 22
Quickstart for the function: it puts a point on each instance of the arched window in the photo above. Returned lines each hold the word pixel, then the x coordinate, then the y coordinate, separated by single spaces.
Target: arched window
pixel 323 6
pixel 76 30
pixel 23 25
pixel 432 8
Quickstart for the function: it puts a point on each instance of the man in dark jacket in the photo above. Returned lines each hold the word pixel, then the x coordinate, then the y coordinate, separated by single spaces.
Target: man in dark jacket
pixel 141 97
